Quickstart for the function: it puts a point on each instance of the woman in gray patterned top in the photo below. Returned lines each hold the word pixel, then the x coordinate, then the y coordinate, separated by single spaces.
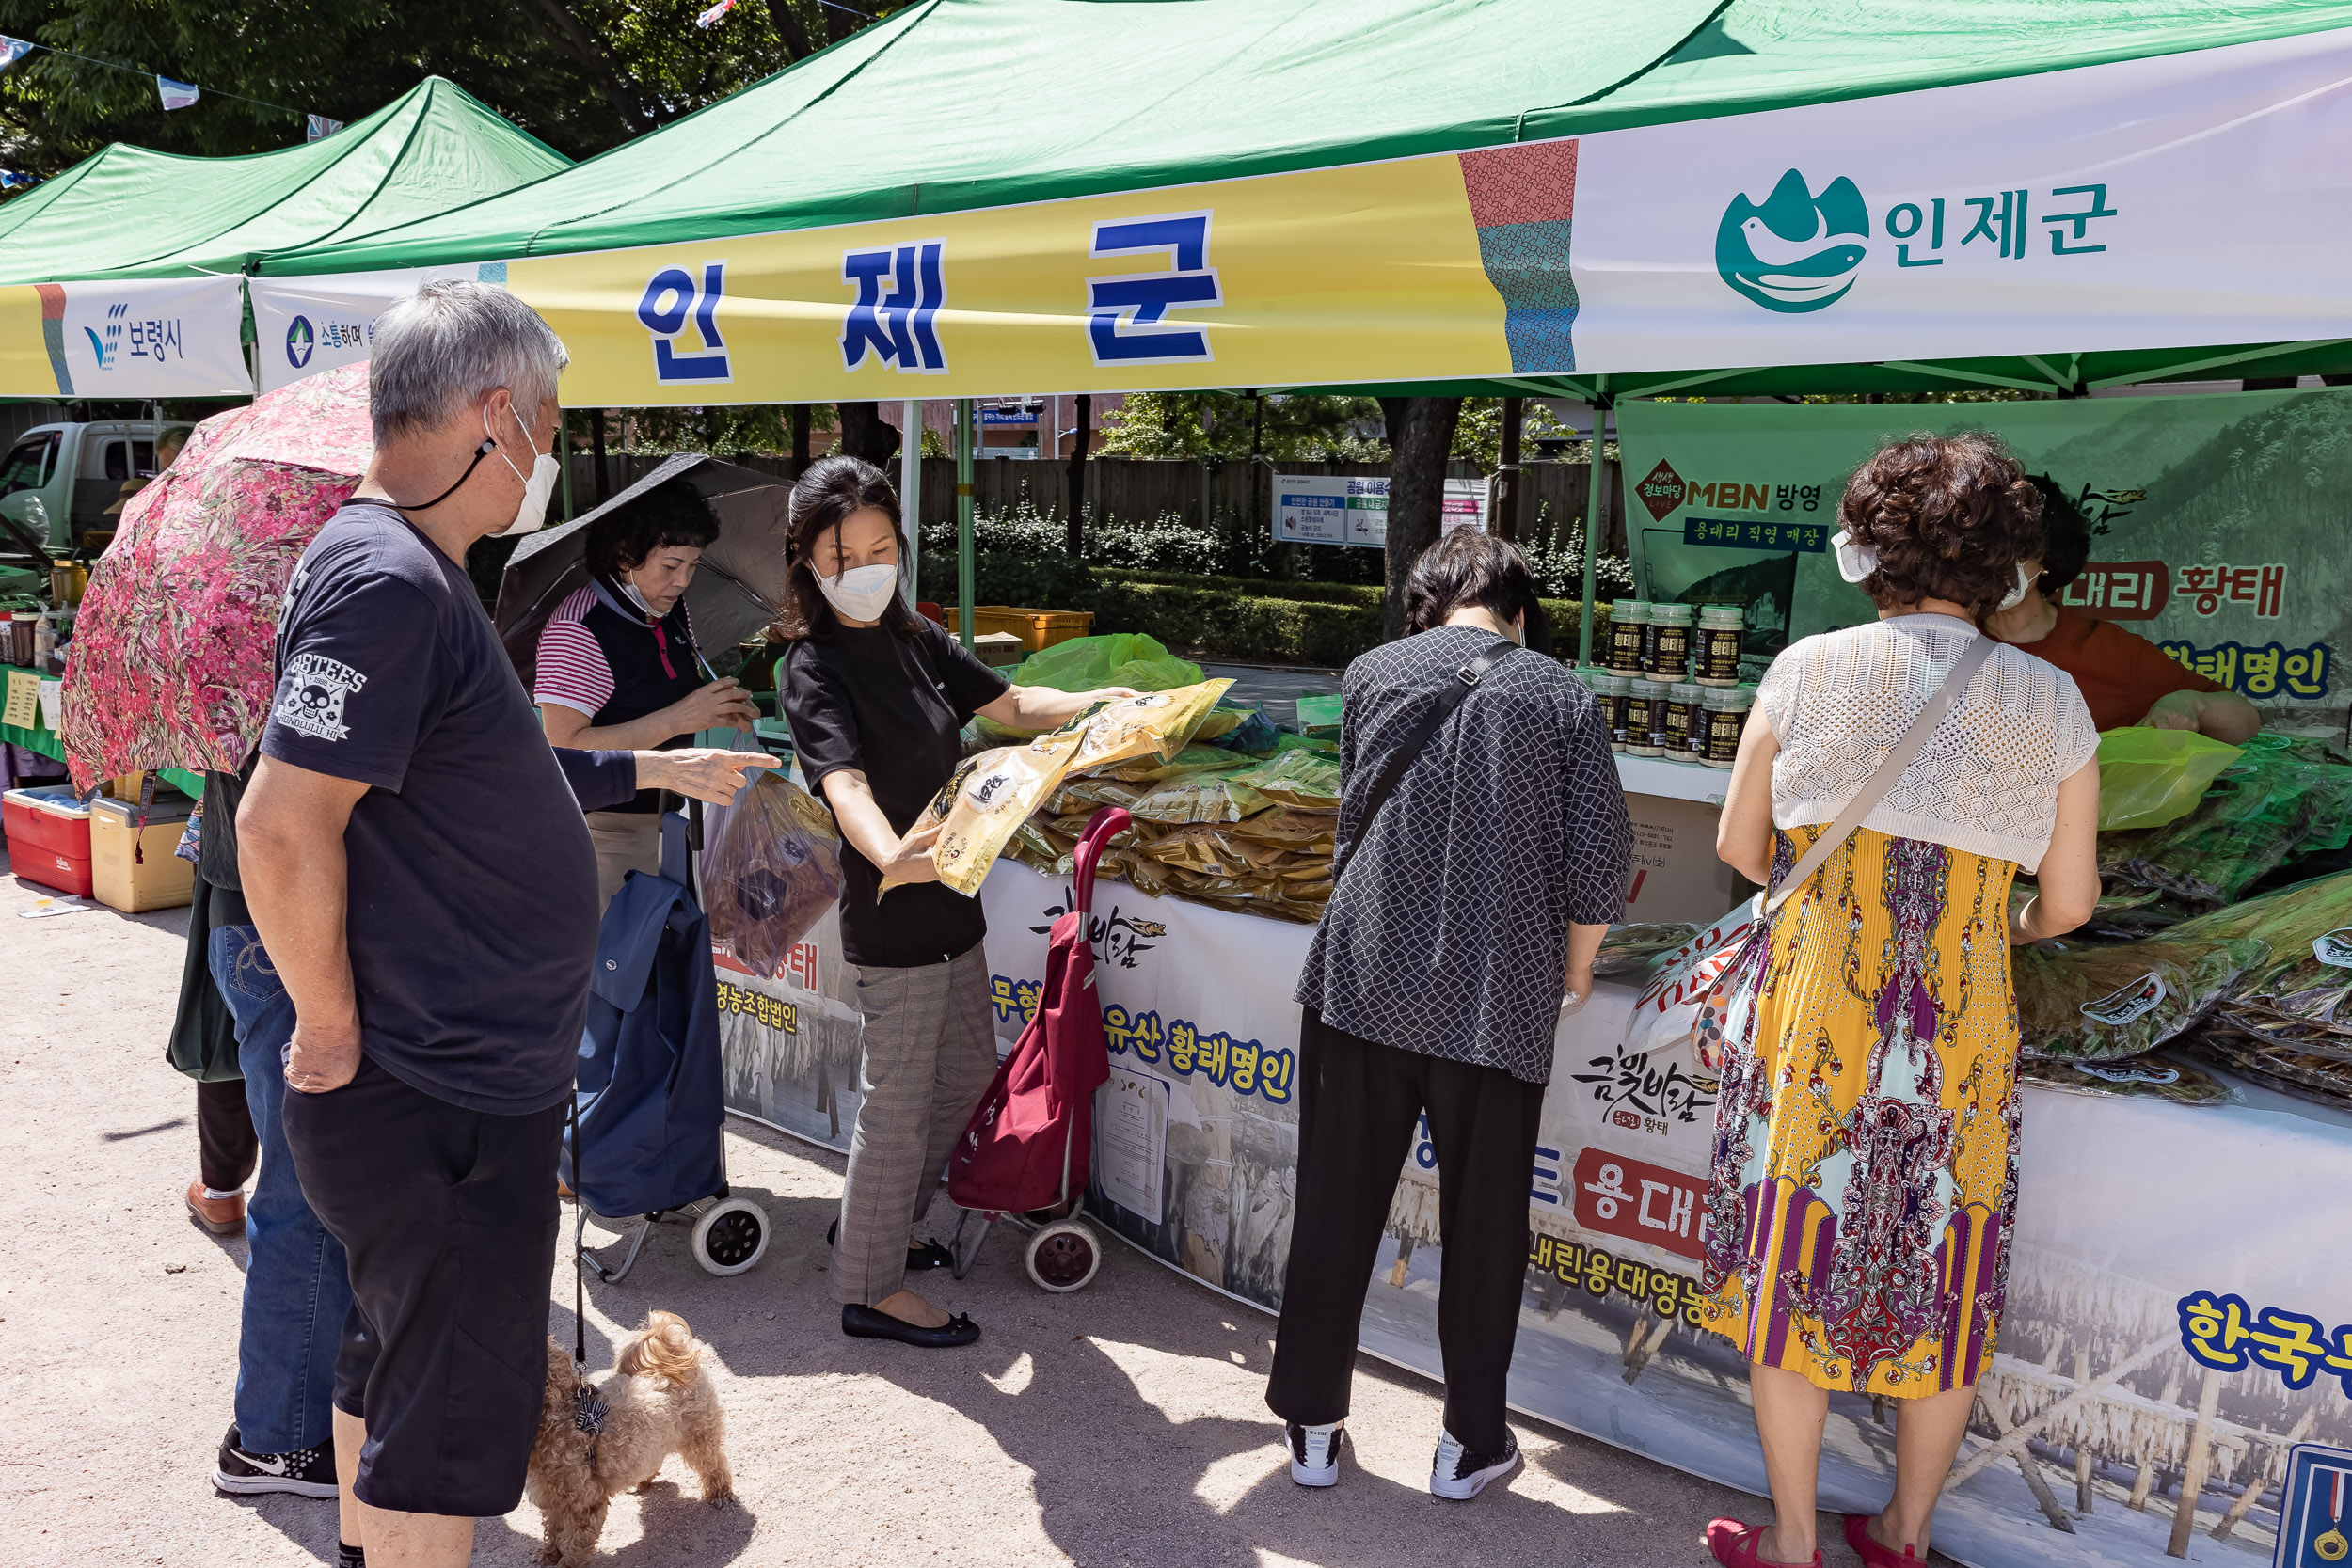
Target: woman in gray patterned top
pixel 1465 908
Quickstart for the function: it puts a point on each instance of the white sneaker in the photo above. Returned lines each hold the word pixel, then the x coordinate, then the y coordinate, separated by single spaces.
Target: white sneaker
pixel 1458 1474
pixel 1315 1452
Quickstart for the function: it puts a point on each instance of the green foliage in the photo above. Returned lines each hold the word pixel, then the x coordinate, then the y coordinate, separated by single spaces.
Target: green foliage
pixel 1299 427
pixel 582 75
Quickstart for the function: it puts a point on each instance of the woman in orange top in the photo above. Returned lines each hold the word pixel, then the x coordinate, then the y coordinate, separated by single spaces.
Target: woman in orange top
pixel 2126 679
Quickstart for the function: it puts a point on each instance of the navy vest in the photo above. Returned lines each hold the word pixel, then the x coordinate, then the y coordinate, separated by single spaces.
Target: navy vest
pixel 653 665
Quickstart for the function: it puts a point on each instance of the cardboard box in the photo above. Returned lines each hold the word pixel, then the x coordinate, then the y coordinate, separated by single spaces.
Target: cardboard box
pixel 137 872
pixel 1675 874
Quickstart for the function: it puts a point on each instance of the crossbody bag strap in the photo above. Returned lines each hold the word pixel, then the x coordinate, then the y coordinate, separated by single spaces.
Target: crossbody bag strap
pixel 1466 680
pixel 1907 748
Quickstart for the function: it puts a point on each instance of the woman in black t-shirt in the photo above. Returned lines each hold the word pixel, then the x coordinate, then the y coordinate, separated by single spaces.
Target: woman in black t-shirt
pixel 877 696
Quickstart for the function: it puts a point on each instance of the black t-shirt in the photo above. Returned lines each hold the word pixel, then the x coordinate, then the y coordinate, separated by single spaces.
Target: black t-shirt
pixel 473 910
pixel 889 707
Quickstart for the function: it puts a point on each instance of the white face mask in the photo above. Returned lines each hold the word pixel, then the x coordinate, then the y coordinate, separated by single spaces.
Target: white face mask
pixel 861 592
pixel 539 487
pixel 1854 562
pixel 2017 594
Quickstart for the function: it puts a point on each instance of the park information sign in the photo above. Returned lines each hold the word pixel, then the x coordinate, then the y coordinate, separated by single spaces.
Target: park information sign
pixel 2217 521
pixel 1352 509
pixel 2186 200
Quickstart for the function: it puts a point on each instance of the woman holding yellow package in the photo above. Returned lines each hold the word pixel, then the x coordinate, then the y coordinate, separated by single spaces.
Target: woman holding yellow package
pixel 877 695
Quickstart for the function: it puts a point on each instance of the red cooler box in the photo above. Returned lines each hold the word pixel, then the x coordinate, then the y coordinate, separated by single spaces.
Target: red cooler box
pixel 48 837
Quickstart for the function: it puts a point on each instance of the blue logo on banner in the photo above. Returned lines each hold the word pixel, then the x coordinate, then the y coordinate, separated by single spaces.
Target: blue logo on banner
pixel 300 340
pixel 1125 314
pixel 1785 253
pixel 672 296
pixel 896 326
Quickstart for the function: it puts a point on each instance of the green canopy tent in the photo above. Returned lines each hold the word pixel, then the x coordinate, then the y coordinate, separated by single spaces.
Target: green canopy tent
pixel 118 277
pixel 1494 197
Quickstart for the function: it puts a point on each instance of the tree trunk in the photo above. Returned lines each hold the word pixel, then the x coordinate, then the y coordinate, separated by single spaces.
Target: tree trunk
pixel 863 433
pixel 1421 438
pixel 1074 525
pixel 1505 522
pixel 799 439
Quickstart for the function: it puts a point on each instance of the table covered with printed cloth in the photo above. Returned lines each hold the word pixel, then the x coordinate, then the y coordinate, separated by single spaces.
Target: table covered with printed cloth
pixel 2170 1301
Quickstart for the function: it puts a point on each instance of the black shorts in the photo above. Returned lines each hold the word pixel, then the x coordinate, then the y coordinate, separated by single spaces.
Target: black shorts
pixel 449 1219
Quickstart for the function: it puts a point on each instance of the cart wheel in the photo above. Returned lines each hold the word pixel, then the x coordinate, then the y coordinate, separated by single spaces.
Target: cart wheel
pixel 731 1237
pixel 1063 1256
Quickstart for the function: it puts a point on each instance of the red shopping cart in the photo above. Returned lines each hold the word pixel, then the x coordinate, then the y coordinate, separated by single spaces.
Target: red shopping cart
pixel 1027 1151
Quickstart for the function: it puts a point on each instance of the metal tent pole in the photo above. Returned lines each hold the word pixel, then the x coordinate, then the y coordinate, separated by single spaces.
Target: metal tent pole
pixel 1595 519
pixel 564 441
pixel 911 490
pixel 964 520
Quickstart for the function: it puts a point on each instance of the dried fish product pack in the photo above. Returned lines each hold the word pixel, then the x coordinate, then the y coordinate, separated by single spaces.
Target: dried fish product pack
pixel 1156 724
pixel 773 870
pixel 2098 1004
pixel 987 798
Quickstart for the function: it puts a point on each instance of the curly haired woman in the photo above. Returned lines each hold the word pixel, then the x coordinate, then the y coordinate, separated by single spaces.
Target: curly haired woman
pixel 1865 1169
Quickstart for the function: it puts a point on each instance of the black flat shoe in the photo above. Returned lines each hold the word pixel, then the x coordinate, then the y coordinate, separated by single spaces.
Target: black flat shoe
pixel 865 1323
pixel 930 1255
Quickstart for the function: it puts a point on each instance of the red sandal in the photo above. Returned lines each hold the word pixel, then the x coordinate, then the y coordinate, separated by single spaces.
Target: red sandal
pixel 1872 1554
pixel 1735 1546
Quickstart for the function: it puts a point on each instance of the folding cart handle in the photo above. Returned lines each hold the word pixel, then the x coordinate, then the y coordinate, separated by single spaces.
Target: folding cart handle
pixel 1107 823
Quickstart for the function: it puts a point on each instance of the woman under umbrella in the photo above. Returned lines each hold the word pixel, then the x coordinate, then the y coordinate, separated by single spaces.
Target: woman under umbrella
pixel 618 669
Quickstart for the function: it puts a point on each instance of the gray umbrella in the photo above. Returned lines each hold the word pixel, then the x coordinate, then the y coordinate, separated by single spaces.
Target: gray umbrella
pixel 739 589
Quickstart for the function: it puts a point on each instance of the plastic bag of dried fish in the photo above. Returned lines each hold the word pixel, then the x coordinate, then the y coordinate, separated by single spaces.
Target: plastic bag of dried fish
pixel 2278 801
pixel 1294 827
pixel 773 868
pixel 1628 952
pixel 1201 798
pixel 2307 972
pixel 1298 777
pixel 986 799
pixel 2093 1003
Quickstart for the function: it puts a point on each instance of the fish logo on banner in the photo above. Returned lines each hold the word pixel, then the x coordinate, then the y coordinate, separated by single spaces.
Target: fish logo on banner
pixel 898 326
pixel 1786 254
pixel 674 297
pixel 103 349
pixel 1125 314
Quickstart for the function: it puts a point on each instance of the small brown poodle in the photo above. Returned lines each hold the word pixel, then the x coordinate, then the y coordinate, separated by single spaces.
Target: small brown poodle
pixel 658 1402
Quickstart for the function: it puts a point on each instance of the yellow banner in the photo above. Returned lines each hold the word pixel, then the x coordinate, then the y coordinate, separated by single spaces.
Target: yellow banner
pixel 27 357
pixel 1371 273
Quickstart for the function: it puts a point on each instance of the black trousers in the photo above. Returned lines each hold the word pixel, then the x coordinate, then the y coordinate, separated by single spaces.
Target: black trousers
pixel 448 1218
pixel 227 1148
pixel 1359 1102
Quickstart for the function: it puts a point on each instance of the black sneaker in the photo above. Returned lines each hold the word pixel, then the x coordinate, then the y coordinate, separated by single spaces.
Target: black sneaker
pixel 304 1473
pixel 1460 1474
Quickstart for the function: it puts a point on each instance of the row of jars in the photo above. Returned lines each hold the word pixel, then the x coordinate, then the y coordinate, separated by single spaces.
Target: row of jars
pixel 1674 642
pixel 1679 721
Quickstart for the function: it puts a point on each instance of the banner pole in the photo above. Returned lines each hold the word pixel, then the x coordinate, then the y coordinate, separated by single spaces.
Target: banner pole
pixel 1595 519
pixel 964 520
pixel 911 490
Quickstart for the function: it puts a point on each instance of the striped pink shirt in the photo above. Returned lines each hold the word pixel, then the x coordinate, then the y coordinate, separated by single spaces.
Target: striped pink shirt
pixel 572 669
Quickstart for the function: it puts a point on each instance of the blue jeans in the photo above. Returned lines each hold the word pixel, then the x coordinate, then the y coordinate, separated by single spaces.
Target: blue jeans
pixel 296 1286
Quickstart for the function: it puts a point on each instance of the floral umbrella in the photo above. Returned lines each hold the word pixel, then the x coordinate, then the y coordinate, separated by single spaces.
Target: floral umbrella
pixel 171 661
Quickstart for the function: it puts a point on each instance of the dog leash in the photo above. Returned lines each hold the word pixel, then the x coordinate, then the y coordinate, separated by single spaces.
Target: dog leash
pixel 588 1410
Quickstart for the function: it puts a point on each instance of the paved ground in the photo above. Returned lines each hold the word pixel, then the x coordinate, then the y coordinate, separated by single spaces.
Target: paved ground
pixel 1274 688
pixel 1123 1425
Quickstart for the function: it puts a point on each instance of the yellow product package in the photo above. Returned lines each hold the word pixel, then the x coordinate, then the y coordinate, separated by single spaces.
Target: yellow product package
pixel 1298 777
pixel 1158 724
pixel 1201 798
pixel 1148 771
pixel 1314 832
pixel 987 799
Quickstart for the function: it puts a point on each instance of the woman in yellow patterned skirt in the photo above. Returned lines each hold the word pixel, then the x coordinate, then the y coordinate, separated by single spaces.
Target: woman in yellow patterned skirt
pixel 1864 1166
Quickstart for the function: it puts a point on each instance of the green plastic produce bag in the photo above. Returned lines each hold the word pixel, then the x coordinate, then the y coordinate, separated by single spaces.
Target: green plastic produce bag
pixel 2147 778
pixel 1119 658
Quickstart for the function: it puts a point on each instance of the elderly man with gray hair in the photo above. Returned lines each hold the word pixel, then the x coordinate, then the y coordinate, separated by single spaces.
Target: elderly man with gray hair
pixel 417 865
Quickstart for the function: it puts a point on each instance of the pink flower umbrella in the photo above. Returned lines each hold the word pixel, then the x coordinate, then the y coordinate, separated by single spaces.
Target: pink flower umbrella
pixel 171 661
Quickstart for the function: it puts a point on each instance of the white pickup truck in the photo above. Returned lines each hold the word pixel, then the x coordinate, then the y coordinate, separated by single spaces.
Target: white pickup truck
pixel 58 480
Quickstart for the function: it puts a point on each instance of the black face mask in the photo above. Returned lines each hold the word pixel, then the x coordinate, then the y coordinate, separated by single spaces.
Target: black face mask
pixel 485 449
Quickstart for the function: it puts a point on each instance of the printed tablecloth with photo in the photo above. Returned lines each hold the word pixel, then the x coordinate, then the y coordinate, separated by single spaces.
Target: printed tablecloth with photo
pixel 2179 1303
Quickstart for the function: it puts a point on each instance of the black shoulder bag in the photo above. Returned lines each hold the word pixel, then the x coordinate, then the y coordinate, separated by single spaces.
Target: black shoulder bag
pixel 1466 680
